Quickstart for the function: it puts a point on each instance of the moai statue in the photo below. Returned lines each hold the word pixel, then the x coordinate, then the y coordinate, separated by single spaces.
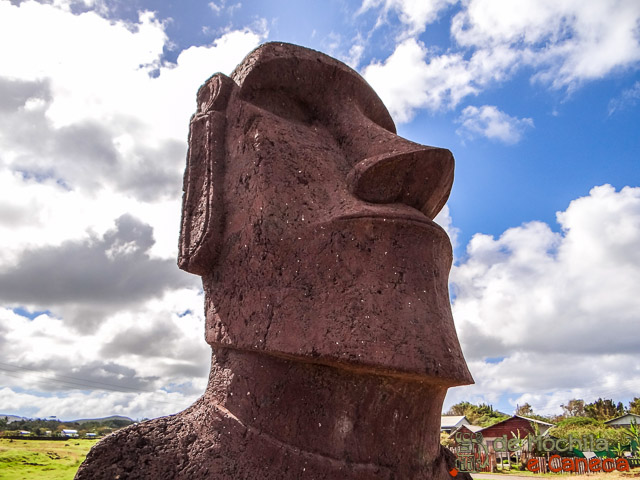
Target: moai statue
pixel 325 279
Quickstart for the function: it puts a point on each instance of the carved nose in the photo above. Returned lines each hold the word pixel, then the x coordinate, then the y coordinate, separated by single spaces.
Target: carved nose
pixel 415 175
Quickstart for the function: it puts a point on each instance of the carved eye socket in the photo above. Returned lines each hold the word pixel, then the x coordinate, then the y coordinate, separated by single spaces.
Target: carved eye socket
pixel 284 105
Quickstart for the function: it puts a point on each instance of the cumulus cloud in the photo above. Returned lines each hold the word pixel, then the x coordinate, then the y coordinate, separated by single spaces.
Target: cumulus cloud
pixel 627 99
pixel 564 43
pixel 356 51
pixel 415 14
pixel 104 370
pixel 94 276
pixel 108 112
pixel 535 300
pixel 487 121
pixel 89 155
pixel 215 7
pixel 415 77
pixel 412 78
pixel 36 213
pixel 93 141
pixel 567 41
pixel 91 131
pixel 74 405
pixel 15 94
pixel 444 220
pixel 223 7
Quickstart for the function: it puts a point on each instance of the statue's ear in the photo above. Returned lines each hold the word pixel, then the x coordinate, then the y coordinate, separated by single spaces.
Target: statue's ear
pixel 202 207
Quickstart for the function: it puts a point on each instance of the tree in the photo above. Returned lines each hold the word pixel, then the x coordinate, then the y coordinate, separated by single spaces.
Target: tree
pixel 578 427
pixel 618 450
pixel 634 406
pixel 633 433
pixel 524 410
pixel 604 409
pixel 574 408
pixel 482 415
pixel 460 409
pixel 445 440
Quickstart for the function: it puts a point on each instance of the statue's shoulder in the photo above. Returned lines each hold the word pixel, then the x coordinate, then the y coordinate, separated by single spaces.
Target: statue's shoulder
pixel 154 449
pixel 136 451
pixel 196 443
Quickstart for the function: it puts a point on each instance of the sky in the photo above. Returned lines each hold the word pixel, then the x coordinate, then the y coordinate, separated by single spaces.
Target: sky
pixel 539 101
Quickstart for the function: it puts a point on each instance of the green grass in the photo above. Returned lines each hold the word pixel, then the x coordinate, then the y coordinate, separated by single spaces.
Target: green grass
pixel 42 459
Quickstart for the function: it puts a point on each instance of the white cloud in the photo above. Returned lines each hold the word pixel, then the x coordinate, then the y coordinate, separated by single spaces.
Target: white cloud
pixel 566 43
pixel 415 77
pixel 101 117
pixel 222 6
pixel 93 128
pixel 488 121
pixel 110 138
pixel 215 7
pixel 411 78
pixel 444 220
pixel 89 279
pixel 104 82
pixel 355 53
pixel 415 14
pixel 627 99
pixel 560 303
pixel 35 214
pixel 349 51
pixel 112 56
pixel 73 405
pixel 145 353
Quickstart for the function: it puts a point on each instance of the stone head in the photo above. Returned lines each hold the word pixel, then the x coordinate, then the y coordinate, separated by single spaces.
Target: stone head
pixel 311 221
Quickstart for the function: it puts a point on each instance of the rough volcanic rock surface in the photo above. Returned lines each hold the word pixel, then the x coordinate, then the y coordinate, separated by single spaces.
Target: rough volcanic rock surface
pixel 241 428
pixel 325 279
pixel 310 220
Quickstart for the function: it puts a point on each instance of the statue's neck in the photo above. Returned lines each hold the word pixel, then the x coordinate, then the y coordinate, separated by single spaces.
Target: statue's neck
pixel 329 411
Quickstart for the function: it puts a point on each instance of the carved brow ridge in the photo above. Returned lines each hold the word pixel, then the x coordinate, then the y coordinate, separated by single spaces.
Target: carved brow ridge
pixel 309 77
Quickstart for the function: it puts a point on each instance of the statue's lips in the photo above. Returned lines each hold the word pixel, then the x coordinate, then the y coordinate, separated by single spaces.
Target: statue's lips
pixel 392 213
pixel 392 221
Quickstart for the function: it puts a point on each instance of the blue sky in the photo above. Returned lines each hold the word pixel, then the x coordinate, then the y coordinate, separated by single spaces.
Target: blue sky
pixel 539 103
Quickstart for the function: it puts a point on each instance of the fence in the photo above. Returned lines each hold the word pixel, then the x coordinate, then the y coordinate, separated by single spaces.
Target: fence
pixel 554 464
pixel 478 460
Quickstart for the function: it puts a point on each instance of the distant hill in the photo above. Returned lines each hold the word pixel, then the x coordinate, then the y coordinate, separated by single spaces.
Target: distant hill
pixel 15 418
pixel 12 418
pixel 103 419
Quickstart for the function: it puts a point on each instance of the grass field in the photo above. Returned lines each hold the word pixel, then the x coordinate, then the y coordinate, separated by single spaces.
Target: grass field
pixel 42 459
pixel 59 460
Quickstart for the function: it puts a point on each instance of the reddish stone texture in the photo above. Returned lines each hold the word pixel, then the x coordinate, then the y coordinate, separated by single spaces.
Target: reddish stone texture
pixel 325 278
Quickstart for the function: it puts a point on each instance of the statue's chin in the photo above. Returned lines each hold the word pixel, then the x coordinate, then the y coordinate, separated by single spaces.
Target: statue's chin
pixel 368 291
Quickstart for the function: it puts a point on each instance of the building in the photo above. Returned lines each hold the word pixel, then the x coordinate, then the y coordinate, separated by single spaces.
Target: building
pixel 514 427
pixel 467 429
pixel 69 433
pixel 449 423
pixel 492 443
pixel 624 421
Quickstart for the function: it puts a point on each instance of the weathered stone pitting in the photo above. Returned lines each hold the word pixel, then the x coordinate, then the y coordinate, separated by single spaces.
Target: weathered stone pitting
pixel 325 278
